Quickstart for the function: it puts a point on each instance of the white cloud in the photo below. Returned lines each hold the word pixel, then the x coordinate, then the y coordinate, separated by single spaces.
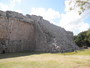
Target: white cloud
pixel 72 21
pixel 4 7
pixel 86 14
pixel 18 10
pixel 14 2
pixel 10 6
pixel 84 26
pixel 48 14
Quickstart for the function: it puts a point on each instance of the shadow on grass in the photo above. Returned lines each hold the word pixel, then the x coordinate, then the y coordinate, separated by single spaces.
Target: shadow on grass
pixel 18 54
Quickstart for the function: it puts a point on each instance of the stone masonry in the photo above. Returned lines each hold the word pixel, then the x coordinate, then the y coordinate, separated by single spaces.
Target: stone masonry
pixel 32 33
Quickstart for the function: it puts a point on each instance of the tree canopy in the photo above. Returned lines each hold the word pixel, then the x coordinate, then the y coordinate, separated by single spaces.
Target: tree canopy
pixel 79 5
pixel 83 39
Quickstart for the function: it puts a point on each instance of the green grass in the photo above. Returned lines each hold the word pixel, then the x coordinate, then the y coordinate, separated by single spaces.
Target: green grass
pixel 79 52
pixel 79 59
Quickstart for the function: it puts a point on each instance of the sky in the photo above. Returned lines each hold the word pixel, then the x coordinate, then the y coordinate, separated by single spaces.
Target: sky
pixel 55 11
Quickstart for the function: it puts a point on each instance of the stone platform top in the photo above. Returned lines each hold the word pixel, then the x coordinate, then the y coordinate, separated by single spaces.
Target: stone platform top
pixel 15 15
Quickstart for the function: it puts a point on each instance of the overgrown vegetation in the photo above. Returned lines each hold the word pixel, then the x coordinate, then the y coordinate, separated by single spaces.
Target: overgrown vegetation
pixel 83 39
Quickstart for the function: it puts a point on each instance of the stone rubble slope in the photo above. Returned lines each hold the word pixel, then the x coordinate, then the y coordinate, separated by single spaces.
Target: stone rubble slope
pixel 52 38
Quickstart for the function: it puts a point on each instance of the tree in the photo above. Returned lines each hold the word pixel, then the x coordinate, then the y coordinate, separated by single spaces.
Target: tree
pixel 79 5
pixel 83 39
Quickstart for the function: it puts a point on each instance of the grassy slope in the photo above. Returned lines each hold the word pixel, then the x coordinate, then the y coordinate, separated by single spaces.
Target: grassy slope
pixel 80 59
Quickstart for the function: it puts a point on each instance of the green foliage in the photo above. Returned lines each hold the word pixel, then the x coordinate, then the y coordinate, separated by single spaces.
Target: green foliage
pixel 81 4
pixel 84 52
pixel 83 39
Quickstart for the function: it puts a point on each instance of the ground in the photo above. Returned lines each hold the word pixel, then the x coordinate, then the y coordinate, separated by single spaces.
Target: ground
pixel 79 59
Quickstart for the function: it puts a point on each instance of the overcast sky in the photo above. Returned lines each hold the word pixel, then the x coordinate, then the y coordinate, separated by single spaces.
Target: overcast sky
pixel 56 11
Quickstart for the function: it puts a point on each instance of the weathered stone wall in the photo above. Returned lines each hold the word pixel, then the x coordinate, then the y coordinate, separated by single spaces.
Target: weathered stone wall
pixel 52 38
pixel 16 33
pixel 32 33
pixel 2 28
pixel 3 31
pixel 21 36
